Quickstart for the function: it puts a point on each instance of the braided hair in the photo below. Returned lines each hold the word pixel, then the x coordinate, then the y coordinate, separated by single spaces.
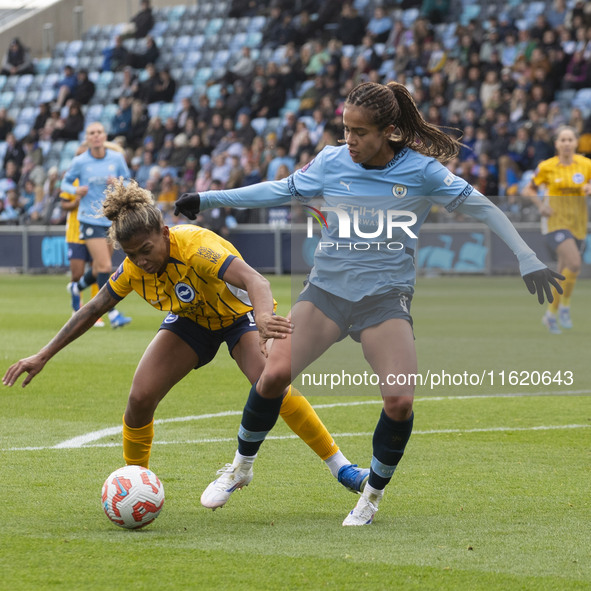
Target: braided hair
pixel 392 104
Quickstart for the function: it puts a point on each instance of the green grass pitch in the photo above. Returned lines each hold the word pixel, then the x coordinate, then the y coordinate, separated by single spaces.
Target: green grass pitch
pixel 493 492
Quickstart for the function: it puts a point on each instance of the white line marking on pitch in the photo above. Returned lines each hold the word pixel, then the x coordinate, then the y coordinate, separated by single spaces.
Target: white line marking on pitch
pixel 336 436
pixel 86 439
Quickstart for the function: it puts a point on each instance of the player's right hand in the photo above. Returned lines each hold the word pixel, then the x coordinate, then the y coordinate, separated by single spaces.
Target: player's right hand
pixel 188 204
pixel 31 365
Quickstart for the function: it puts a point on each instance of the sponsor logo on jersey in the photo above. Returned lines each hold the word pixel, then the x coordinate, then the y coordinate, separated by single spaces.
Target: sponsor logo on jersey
pixel 209 254
pixel 170 318
pixel 117 273
pixel 185 293
pixel 306 166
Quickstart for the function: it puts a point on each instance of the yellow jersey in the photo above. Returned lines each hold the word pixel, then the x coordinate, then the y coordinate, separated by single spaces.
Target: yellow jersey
pixel 192 284
pixel 564 187
pixel 72 223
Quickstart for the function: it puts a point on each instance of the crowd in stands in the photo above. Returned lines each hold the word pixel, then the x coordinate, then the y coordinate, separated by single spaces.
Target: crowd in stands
pixel 503 83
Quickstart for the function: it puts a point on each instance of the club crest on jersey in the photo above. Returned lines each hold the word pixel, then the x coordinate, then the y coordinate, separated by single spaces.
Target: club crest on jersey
pixel 185 293
pixel 399 191
pixel 578 178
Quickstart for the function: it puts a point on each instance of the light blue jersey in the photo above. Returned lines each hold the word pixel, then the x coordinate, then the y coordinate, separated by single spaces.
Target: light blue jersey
pixel 94 173
pixel 373 216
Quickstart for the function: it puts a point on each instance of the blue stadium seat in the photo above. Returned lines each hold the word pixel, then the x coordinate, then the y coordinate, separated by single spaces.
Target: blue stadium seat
pixel 24 81
pixel 46 95
pixel 27 115
pixel 254 38
pixel 259 124
pixel 6 99
pixel 21 130
pixel 74 48
pixel 184 91
pixel 93 113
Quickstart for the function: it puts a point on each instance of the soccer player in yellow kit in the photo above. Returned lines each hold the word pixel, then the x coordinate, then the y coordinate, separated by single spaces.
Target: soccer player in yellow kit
pixel 210 296
pixel 566 179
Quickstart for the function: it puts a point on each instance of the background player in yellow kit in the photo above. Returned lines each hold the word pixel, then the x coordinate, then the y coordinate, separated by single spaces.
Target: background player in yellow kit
pixel 210 296
pixel 566 181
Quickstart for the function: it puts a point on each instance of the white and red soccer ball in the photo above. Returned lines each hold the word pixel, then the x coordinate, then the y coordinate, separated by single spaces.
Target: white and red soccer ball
pixel 132 497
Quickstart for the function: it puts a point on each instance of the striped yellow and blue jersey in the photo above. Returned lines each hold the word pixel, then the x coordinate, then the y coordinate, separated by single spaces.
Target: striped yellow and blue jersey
pixel 193 283
pixel 72 223
pixel 564 188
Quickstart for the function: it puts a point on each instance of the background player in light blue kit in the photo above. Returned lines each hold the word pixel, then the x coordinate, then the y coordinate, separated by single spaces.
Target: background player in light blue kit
pixel 390 168
pixel 94 169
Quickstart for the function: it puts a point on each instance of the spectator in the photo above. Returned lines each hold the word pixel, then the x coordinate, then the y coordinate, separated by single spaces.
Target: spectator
pixel 6 124
pixel 17 60
pixel 42 116
pixel 28 195
pixel 281 157
pixel 245 132
pixel 146 89
pixel 121 123
pixel 115 58
pixel 143 172
pixel 66 86
pixel 14 151
pixel 139 123
pixel 187 111
pixel 140 60
pixel 72 126
pixel 13 209
pixel 165 87
pixel 84 90
pixel 379 25
pixel 141 23
pixel 351 27
pixel 577 72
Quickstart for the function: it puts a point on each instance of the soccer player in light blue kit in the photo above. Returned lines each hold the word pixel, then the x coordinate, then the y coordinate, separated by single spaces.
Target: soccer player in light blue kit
pixel 378 190
pixel 94 169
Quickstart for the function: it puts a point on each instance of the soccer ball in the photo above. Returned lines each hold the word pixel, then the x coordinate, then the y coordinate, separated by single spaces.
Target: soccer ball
pixel 132 497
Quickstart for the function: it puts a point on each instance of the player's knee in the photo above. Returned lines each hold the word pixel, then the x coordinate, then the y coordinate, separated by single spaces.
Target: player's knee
pixel 140 403
pixel 398 407
pixel 274 380
pixel 574 265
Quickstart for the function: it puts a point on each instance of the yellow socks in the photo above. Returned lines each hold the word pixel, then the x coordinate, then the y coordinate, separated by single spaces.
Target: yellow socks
pixel 568 285
pixel 302 419
pixel 137 444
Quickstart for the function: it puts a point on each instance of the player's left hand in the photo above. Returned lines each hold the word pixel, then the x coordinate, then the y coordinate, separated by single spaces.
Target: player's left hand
pixel 540 281
pixel 272 327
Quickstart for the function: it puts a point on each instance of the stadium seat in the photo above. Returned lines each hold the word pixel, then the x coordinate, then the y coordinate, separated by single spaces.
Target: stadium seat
pixel 259 124
pixel 74 48
pixel 46 95
pixel 166 110
pixel 6 99
pixel 93 113
pixel 27 115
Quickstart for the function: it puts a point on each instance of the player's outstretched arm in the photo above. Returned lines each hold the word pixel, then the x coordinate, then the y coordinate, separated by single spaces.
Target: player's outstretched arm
pixel 76 326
